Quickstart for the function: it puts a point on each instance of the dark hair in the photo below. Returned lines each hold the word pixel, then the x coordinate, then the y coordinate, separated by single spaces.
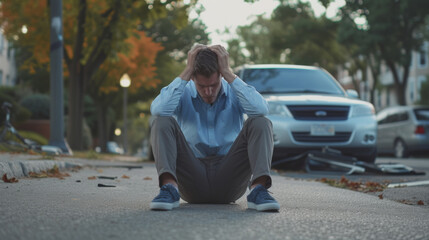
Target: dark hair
pixel 206 63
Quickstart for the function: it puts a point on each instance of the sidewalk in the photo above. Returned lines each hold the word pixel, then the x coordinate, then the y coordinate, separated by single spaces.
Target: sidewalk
pixel 20 165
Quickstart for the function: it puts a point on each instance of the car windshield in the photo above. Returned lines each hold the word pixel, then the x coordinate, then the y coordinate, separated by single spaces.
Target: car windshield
pixel 284 80
pixel 422 114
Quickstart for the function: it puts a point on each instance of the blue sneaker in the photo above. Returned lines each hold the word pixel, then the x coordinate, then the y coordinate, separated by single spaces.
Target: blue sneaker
pixel 167 199
pixel 261 200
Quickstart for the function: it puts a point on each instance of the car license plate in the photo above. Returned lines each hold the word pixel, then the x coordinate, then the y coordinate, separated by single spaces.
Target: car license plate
pixel 322 130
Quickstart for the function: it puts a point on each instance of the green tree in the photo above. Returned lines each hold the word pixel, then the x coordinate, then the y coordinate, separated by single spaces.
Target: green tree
pixel 292 35
pixel 307 39
pixel 393 29
pixel 256 38
pixel 361 54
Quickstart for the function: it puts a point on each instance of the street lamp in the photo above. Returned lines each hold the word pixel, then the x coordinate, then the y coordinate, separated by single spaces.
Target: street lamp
pixel 125 82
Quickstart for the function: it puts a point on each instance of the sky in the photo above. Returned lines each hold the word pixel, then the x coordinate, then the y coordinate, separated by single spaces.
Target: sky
pixel 221 14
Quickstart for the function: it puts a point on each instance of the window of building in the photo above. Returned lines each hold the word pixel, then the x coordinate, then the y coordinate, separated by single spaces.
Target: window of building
pixel 420 81
pixel 388 97
pixel 423 56
pixel 411 93
pixel 1 43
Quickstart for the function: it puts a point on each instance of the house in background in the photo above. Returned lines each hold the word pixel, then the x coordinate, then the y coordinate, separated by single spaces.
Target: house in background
pixel 7 62
pixel 385 96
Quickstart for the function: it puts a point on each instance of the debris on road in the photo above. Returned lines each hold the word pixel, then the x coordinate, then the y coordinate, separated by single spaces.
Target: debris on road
pixel 355 186
pixel 105 185
pixel 332 160
pixel 107 177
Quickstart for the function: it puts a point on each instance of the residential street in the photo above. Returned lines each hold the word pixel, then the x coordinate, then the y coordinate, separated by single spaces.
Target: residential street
pixel 76 208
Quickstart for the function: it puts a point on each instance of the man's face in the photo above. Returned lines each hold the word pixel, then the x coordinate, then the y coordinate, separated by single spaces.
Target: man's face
pixel 208 87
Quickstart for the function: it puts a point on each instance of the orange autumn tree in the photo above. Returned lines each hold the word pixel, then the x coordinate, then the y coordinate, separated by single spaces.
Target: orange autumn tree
pixel 138 63
pixel 94 31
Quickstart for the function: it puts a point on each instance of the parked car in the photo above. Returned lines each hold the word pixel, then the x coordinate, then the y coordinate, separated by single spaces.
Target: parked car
pixel 310 110
pixel 113 147
pixel 403 130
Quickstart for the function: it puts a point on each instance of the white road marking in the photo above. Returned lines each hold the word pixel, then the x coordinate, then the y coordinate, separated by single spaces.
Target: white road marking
pixel 408 184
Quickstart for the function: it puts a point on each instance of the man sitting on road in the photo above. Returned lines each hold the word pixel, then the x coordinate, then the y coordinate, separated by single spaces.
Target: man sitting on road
pixel 201 147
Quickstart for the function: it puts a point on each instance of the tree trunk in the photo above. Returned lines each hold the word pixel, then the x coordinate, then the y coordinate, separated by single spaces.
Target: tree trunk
pixel 399 85
pixel 75 113
pixel 102 126
pixel 375 72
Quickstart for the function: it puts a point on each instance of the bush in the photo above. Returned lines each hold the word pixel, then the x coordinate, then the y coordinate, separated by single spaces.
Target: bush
pixel 38 104
pixel 18 113
pixel 39 139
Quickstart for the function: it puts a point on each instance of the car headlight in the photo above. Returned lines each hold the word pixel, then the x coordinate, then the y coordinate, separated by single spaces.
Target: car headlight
pixel 278 109
pixel 363 110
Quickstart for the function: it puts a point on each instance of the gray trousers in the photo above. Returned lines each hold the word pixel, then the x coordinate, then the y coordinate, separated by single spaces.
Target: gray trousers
pixel 218 179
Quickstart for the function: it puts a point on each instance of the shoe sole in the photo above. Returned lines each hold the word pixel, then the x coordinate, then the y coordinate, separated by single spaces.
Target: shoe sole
pixel 266 207
pixel 164 206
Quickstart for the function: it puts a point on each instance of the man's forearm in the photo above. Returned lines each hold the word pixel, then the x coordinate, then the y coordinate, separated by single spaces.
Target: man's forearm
pixel 186 74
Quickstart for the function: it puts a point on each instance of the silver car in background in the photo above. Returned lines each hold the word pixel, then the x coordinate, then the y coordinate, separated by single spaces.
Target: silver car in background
pixel 310 110
pixel 403 130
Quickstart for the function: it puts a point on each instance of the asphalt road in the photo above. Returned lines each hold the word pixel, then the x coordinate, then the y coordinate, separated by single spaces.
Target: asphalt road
pixel 405 195
pixel 76 208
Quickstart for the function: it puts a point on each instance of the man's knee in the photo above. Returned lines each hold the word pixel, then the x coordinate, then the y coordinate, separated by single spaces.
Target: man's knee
pixel 259 123
pixel 162 122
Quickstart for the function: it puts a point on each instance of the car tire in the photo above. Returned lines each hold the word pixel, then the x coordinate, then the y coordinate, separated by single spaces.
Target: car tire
pixel 369 158
pixel 400 149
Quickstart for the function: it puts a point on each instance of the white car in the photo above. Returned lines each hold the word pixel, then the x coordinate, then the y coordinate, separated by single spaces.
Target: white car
pixel 403 130
pixel 310 111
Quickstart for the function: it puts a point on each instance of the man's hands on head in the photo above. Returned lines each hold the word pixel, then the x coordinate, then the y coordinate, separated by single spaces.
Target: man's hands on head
pixel 223 61
pixel 189 69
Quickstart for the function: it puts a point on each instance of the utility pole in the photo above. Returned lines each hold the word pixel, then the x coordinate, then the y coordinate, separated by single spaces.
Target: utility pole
pixel 56 88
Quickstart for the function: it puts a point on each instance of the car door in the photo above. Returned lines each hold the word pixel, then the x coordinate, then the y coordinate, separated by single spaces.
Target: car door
pixel 382 131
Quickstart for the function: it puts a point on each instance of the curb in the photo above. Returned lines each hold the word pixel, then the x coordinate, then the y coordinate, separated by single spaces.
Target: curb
pixel 19 169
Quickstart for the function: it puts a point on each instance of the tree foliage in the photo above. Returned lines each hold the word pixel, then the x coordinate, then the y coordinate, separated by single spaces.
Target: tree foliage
pixel 95 31
pixel 292 35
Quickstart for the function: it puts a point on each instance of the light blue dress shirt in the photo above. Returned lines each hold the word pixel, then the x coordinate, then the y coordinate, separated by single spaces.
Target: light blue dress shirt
pixel 210 129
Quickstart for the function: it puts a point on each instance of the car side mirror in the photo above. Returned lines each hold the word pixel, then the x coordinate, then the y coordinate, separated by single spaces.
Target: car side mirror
pixel 352 93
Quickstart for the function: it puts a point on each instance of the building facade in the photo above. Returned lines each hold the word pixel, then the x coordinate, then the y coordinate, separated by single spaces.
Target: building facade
pixel 7 62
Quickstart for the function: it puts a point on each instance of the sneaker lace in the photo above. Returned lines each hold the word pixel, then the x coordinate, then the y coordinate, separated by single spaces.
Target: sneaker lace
pixel 165 193
pixel 265 194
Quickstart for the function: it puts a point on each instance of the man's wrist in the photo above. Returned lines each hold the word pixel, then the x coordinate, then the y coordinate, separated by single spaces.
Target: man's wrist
pixel 230 77
pixel 186 74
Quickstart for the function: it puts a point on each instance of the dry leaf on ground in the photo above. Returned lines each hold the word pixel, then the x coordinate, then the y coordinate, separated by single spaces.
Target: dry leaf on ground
pixel 53 173
pixel 9 180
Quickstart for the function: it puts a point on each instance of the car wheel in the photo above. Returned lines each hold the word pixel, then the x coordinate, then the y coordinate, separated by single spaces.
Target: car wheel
pixel 369 158
pixel 401 150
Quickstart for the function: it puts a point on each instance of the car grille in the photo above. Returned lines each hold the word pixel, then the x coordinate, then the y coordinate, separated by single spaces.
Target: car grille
pixel 307 137
pixel 319 113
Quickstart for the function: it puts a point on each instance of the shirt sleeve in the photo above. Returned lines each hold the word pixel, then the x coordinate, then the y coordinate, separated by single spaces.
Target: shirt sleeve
pixel 166 103
pixel 251 100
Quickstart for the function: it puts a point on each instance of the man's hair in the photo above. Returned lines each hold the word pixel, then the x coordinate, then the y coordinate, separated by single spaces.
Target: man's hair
pixel 206 63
